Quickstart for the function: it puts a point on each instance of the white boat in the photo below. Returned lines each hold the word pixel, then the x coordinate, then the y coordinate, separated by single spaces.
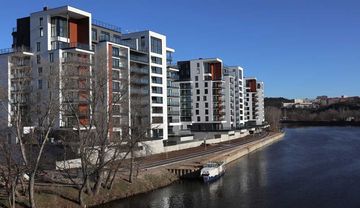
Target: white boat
pixel 212 171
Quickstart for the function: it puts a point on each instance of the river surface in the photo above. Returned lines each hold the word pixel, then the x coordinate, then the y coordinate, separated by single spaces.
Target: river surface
pixel 310 167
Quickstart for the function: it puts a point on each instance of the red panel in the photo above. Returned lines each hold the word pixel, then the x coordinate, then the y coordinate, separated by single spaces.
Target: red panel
pixel 216 71
pixel 73 32
pixel 251 83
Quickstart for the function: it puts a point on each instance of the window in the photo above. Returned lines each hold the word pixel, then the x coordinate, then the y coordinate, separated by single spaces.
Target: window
pixel 94 34
pixel 38 46
pixel 40 71
pixel 41 21
pixel 204 97
pixel 156 60
pixel 104 35
pixel 40 84
pixel 157 90
pixel 117 39
pixel 116 86
pixel 59 27
pixel 198 118
pixel 198 64
pixel 142 42
pixel 206 118
pixel 156 70
pixel 157 133
pixel 197 112
pixel 206 91
pixel 206 111
pixel 157 119
pixel 51 57
pixel 115 74
pixel 196 78
pixel 38 59
pixel 197 91
pixel 41 31
pixel 156 80
pixel 197 105
pixel 116 63
pixel 206 105
pixel 53 45
pixel 156 45
pixel 115 52
pixel 157 109
pixel 206 84
pixel 198 98
pixel 157 99
pixel 196 85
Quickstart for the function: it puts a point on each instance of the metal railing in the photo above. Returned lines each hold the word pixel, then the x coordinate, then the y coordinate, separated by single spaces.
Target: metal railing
pixel 106 25
pixel 13 50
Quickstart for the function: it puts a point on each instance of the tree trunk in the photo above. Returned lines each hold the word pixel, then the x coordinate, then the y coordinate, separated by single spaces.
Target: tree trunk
pixel 13 191
pixel 131 167
pixel 97 185
pixel 31 190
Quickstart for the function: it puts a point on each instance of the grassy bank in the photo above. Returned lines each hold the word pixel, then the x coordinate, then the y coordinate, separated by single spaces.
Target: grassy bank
pixel 61 196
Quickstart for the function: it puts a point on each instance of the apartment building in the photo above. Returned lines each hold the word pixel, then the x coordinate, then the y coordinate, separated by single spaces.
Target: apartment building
pixel 202 94
pixel 64 52
pixel 254 102
pixel 173 96
pixel 50 64
pixel 238 114
pixel 149 72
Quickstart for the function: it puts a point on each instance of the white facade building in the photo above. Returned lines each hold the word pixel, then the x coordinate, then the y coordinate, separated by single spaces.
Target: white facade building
pixel 254 102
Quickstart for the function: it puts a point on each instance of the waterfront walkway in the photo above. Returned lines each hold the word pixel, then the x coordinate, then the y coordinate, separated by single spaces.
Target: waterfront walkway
pixel 181 156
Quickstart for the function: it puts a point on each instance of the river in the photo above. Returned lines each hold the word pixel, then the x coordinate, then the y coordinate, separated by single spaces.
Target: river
pixel 310 167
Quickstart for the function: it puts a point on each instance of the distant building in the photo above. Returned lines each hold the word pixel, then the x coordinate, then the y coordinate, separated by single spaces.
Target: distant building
pixel 254 102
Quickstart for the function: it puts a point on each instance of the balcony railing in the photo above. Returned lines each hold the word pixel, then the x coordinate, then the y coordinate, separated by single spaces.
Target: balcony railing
pixel 172 94
pixel 174 113
pixel 173 103
pixel 77 60
pixel 106 25
pixel 13 50
pixel 75 45
pixel 140 70
pixel 142 59
pixel 140 81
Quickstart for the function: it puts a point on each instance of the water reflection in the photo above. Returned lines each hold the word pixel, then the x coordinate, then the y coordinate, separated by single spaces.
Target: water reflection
pixel 310 167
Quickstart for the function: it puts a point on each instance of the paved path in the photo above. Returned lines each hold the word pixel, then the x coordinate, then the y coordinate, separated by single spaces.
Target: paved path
pixel 219 148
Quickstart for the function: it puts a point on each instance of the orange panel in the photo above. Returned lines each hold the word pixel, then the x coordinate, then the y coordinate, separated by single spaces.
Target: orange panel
pixel 216 71
pixel 73 32
pixel 251 84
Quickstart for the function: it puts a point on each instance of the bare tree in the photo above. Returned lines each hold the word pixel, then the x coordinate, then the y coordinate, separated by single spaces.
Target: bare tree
pixel 273 116
pixel 100 124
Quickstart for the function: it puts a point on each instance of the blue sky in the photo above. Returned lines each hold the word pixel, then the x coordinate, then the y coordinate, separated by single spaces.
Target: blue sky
pixel 298 48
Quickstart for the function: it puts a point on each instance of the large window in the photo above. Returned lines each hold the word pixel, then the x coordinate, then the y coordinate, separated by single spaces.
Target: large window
pixel 156 80
pixel 157 90
pixel 94 34
pixel 156 70
pixel 156 60
pixel 59 27
pixel 157 99
pixel 157 109
pixel 51 57
pixel 156 46
pixel 104 35
pixel 117 39
pixel 116 63
pixel 115 52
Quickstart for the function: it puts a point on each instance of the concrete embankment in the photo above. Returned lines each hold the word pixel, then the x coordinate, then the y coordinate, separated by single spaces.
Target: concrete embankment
pixel 191 169
pixel 246 149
